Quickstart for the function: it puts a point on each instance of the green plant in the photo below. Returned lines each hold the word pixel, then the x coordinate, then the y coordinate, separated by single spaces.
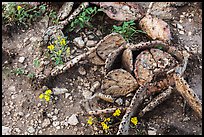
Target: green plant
pixel 31 75
pixel 18 71
pixel 59 50
pixel 24 14
pixel 83 19
pixel 127 30
pixel 36 63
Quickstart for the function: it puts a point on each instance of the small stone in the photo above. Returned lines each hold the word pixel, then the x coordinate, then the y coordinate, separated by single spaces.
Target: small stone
pixel 73 120
pixel 70 98
pixel 81 70
pixel 56 111
pixel 186 119
pixel 152 131
pixel 58 91
pixel 98 33
pixel 87 94
pixel 67 95
pixel 21 59
pixel 95 86
pixel 58 127
pixel 119 101
pixel 179 26
pixel 46 123
pixel 6 130
pixel 181 32
pixel 79 42
pixel 55 123
pixel 189 33
pixel 31 129
pixel 91 43
pixel 12 88
pixel 127 103
pixel 17 130
pixel 90 36
pixel 40 131
pixel 54 118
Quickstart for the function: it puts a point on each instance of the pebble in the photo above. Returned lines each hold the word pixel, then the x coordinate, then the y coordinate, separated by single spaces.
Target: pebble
pixel 78 41
pixel 152 131
pixel 186 119
pixel 181 32
pixel 12 88
pixel 56 111
pixel 67 95
pixel 127 103
pixel 91 43
pixel 21 59
pixel 54 118
pixel 98 33
pixel 58 91
pixel 58 127
pixel 56 123
pixel 17 130
pixel 6 130
pixel 179 26
pixel 87 94
pixel 189 33
pixel 81 70
pixel 46 122
pixel 95 86
pixel 73 120
pixel 119 101
pixel 90 36
pixel 31 129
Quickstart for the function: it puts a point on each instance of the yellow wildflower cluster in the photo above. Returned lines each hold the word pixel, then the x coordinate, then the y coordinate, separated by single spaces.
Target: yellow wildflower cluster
pixel 90 121
pixel 46 95
pixel 104 125
pixel 117 113
pixel 19 8
pixel 134 120
pixel 51 47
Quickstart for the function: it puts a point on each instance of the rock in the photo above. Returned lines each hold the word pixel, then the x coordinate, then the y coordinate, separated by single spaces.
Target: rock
pixel 31 129
pixel 17 130
pixel 54 118
pixel 87 94
pixel 186 119
pixel 127 103
pixel 181 32
pixel 46 123
pixel 73 120
pixel 179 26
pixel 12 88
pixel 98 33
pixel 79 42
pixel 95 86
pixel 6 130
pixel 58 91
pixel 21 59
pixel 90 36
pixel 152 131
pixel 81 70
pixel 56 111
pixel 58 127
pixel 119 101
pixel 67 95
pixel 56 123
pixel 91 43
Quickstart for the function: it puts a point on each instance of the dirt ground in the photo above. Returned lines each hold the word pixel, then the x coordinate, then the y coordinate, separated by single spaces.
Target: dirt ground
pixel 23 113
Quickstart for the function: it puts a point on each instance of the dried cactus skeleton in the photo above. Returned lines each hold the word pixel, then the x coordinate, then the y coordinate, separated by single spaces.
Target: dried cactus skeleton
pixel 147 67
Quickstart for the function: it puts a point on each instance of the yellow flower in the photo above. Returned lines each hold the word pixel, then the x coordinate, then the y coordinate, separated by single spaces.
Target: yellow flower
pixel 19 7
pixel 63 42
pixel 68 51
pixel 107 119
pixel 41 96
pixel 59 37
pixel 105 126
pixel 48 92
pixel 134 120
pixel 90 121
pixel 117 113
pixel 47 97
pixel 51 47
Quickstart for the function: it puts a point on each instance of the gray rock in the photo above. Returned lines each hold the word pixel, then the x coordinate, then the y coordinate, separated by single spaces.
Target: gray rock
pixel 73 120
pixel 31 129
pixel 56 123
pixel 58 91
pixel 78 41
pixel 87 94
pixel 119 101
pixel 6 130
pixel 46 123
pixel 95 86
pixel 81 70
pixel 152 131
pixel 91 43
pixel 21 59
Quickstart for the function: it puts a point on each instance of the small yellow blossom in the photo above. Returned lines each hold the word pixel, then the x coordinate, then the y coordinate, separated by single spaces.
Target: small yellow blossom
pixel 47 97
pixel 63 42
pixel 134 120
pixel 107 119
pixel 51 47
pixel 19 7
pixel 59 52
pixel 48 92
pixel 68 51
pixel 117 113
pixel 41 96
pixel 90 121
pixel 104 125
pixel 59 37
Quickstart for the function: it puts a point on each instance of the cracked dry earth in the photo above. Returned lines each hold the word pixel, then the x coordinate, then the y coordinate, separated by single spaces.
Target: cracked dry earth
pixel 24 114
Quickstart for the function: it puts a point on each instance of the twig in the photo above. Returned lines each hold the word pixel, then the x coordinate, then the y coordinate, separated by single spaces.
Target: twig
pixel 105 111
